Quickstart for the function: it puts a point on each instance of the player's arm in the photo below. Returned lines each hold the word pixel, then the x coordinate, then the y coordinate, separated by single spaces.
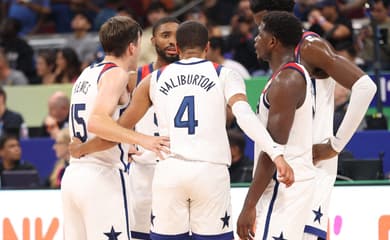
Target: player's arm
pixel 318 54
pixel 78 149
pixel 236 96
pixel 100 123
pixel 284 97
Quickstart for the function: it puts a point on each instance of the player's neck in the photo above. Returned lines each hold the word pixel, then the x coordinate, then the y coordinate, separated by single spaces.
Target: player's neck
pixel 192 53
pixel 280 58
pixel 160 63
pixel 120 62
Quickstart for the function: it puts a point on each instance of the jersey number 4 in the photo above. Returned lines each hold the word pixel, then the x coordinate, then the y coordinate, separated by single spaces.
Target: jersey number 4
pixel 191 122
pixel 78 120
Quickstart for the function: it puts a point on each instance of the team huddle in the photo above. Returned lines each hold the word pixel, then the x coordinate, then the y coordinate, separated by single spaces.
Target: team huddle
pixel 174 111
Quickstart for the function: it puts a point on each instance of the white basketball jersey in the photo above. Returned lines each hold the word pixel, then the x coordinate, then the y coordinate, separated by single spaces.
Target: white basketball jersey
pixel 147 124
pixel 298 149
pixel 83 98
pixel 324 99
pixel 190 99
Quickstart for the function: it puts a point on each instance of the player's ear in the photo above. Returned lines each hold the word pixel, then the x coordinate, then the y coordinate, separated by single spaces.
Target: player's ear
pixel 153 40
pixel 206 49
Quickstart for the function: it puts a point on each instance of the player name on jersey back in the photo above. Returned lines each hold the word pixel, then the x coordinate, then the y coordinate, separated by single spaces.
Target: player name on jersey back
pixel 190 79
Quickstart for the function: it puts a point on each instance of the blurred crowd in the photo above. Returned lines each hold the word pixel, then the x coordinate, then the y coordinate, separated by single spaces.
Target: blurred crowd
pixel 29 28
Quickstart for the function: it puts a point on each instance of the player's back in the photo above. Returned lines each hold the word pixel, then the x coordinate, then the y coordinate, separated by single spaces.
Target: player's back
pixel 298 149
pixel 84 94
pixel 190 103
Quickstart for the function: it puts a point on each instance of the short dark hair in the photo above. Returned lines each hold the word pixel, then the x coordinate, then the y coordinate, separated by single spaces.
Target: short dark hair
pixel 162 21
pixel 3 93
pixel 237 138
pixel 272 5
pixel 117 33
pixel 192 34
pixel 5 138
pixel 386 3
pixel 156 6
pixel 284 26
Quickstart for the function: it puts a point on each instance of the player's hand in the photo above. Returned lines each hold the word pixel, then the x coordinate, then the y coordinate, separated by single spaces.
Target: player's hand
pixel 74 147
pixel 133 151
pixel 246 223
pixel 284 171
pixel 158 145
pixel 323 151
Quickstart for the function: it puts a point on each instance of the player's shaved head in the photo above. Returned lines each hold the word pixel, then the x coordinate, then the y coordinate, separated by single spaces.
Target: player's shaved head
pixel 192 34
pixel 272 5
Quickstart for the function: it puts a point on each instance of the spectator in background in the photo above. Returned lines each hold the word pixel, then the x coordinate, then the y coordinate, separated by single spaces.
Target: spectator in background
pixel 57 119
pixel 17 51
pixel 219 12
pixel 9 76
pixel 62 154
pixel 81 41
pixel 45 65
pixel 215 54
pixel 240 43
pixel 63 11
pixel 11 153
pixel 302 8
pixel 28 12
pixel 68 66
pixel 365 39
pixel 11 123
pixel 196 14
pixel 331 25
pixel 241 168
pixel 155 12
pixel 109 10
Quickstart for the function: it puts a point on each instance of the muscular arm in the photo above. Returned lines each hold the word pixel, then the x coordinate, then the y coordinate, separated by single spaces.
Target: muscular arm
pixel 284 97
pixel 317 54
pixel 98 144
pixel 286 94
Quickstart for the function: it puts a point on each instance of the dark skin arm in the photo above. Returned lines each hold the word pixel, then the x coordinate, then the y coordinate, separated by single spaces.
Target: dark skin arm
pixel 317 54
pixel 285 95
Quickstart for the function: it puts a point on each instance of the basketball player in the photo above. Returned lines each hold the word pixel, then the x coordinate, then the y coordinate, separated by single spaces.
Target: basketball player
pixel 321 61
pixel 286 107
pixel 142 167
pixel 94 187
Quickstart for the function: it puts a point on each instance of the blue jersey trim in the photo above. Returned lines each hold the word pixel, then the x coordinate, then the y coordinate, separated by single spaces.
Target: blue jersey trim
pixel 139 75
pixel 265 102
pixel 314 85
pixel 191 63
pixel 107 66
pixel 315 231
pixel 218 69
pixel 140 235
pixel 123 183
pixel 223 236
pixel 270 208
pixel 158 74
pixel 183 236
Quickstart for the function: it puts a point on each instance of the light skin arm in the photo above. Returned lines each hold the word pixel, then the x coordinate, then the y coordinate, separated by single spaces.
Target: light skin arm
pixel 101 123
pixel 284 98
pixel 78 149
